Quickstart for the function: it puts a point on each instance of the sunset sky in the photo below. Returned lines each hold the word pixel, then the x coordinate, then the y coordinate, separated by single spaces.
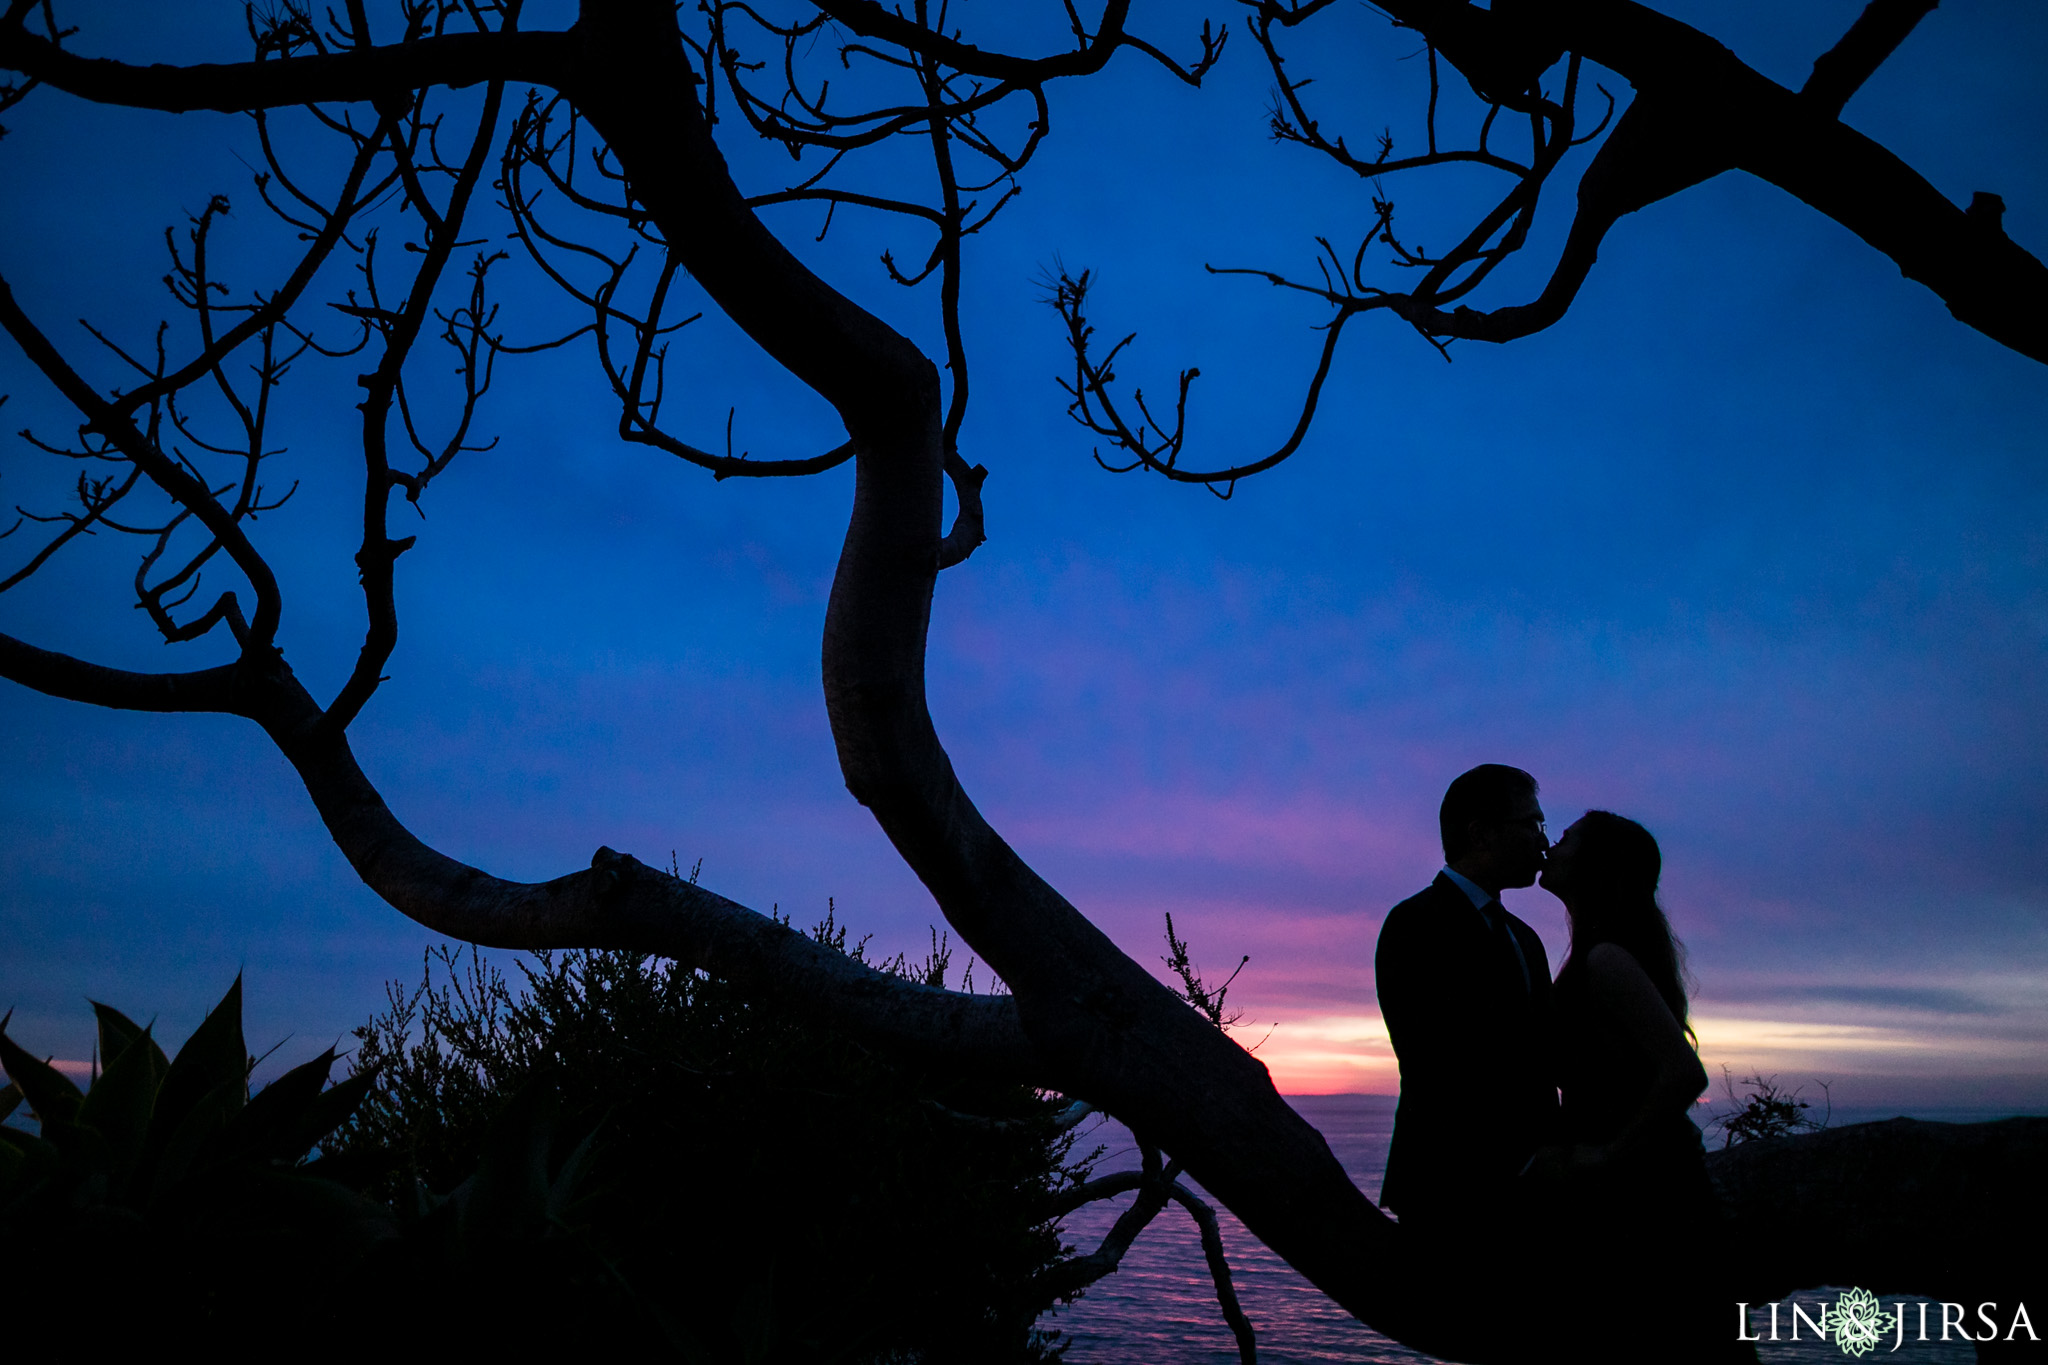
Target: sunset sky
pixel 1753 547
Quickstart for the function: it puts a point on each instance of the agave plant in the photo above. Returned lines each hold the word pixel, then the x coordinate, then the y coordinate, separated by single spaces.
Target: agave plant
pixel 171 1163
pixel 152 1128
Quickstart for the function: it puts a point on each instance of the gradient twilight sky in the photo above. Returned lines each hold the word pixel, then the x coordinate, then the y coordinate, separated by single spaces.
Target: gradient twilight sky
pixel 1753 546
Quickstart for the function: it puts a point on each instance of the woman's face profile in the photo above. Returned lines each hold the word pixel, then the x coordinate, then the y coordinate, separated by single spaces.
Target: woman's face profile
pixel 1557 868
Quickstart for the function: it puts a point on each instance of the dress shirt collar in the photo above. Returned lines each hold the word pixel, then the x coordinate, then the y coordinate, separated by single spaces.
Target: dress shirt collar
pixel 1491 911
pixel 1479 895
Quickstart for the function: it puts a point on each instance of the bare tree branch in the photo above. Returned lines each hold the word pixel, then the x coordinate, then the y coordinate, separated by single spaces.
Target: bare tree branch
pixel 1734 114
pixel 60 675
pixel 618 902
pixel 1699 111
pixel 378 553
pixel 1150 442
pixel 1840 72
pixel 1154 1184
pixel 1219 1272
pixel 166 473
pixel 968 528
pixel 870 19
pixel 457 59
pixel 1119 1032
pixel 96 497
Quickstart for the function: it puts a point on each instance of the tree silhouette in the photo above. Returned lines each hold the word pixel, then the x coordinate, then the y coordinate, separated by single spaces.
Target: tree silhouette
pixel 610 180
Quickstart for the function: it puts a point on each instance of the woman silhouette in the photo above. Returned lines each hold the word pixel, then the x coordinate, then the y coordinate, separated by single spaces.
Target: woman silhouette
pixel 1641 1228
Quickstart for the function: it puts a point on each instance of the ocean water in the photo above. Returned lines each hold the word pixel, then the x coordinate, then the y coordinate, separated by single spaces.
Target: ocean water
pixel 1159 1308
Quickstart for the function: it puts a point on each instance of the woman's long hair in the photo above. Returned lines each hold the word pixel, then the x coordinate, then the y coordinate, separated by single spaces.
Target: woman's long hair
pixel 1614 900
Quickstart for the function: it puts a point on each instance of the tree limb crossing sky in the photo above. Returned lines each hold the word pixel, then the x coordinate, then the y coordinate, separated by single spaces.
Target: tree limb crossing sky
pixel 1752 546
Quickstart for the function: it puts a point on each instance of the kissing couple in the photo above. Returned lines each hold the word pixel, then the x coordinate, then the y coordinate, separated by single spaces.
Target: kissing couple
pixel 1543 1150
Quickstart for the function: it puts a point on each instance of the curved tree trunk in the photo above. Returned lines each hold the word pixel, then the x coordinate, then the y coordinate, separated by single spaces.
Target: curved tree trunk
pixel 1104 1029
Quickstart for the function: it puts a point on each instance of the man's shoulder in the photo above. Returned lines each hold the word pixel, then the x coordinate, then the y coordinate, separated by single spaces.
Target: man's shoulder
pixel 1422 911
pixel 1443 891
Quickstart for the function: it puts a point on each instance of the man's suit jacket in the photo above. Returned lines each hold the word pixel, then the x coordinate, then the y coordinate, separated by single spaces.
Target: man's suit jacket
pixel 1477 1093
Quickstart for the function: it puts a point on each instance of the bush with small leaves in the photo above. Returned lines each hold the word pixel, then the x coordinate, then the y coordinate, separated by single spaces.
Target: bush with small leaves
pixel 1765 1111
pixel 750 1184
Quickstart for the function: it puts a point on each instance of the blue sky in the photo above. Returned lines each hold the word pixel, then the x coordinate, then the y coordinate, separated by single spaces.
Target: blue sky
pixel 1751 546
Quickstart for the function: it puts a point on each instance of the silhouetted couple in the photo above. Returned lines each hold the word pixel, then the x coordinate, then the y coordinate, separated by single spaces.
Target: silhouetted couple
pixel 1586 1227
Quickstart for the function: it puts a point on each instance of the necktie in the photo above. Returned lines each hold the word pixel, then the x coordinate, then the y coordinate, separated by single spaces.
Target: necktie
pixel 1497 916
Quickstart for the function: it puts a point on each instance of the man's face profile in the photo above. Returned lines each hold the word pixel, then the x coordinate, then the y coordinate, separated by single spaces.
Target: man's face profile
pixel 1512 847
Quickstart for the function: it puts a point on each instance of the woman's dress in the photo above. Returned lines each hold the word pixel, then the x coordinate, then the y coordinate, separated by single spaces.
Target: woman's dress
pixel 1644 1264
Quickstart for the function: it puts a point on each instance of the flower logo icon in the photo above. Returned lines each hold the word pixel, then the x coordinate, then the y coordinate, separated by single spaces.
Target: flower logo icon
pixel 1858 1321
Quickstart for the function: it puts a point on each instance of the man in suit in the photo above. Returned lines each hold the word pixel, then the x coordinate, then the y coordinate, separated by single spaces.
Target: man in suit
pixel 1464 987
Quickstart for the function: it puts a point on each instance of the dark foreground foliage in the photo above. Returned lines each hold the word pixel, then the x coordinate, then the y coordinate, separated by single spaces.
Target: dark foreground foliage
pixel 166 1202
pixel 616 1154
pixel 1764 1110
pixel 716 1177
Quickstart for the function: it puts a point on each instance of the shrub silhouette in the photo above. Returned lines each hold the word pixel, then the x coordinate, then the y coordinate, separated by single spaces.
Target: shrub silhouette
pixel 1765 1111
pixel 622 1154
pixel 751 1186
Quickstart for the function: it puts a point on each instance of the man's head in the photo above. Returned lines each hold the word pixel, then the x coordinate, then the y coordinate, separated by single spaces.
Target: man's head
pixel 1492 827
